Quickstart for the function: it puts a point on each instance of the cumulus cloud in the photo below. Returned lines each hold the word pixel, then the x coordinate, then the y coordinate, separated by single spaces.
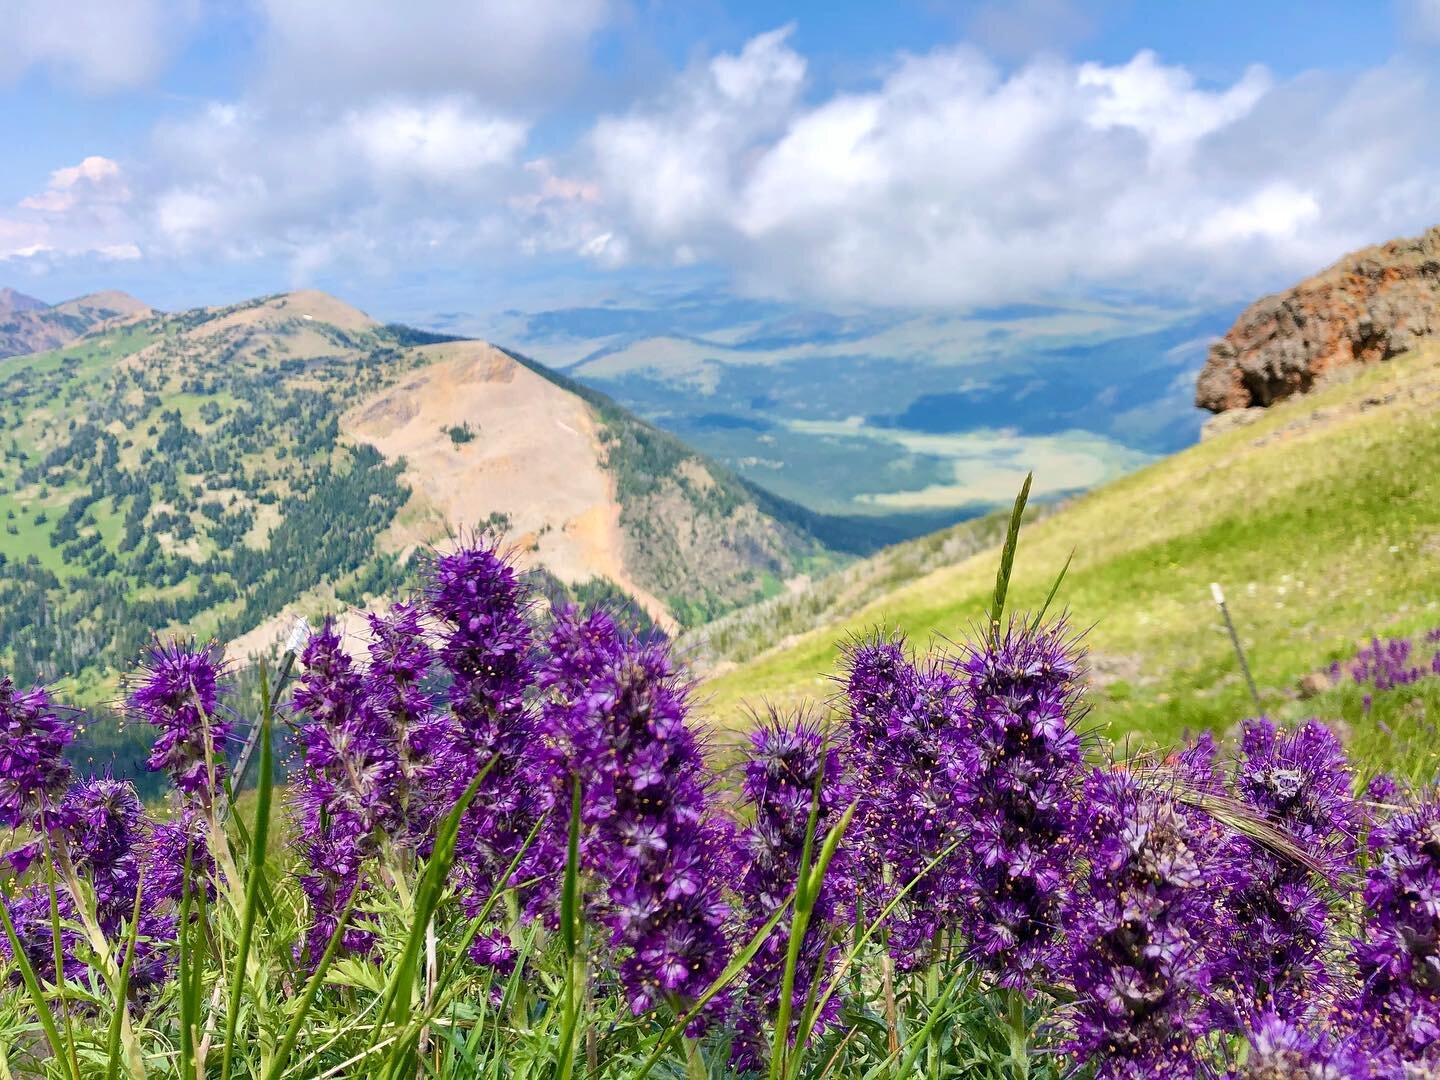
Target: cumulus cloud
pixel 96 45
pixel 379 136
pixel 84 209
pixel 952 181
pixel 379 182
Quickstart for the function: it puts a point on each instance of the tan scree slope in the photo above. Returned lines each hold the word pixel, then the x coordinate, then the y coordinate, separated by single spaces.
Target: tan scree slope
pixel 536 458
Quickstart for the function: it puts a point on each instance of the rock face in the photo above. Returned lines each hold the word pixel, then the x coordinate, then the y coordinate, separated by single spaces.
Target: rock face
pixel 1368 307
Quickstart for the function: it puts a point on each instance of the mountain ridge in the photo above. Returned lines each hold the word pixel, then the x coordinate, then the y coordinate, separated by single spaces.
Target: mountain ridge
pixel 28 325
pixel 179 470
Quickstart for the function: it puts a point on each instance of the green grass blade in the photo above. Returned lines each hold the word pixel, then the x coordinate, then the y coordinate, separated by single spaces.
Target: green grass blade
pixel 737 964
pixel 805 895
pixel 32 987
pixel 259 838
pixel 572 932
pixel 312 987
pixel 1054 589
pixel 427 897
pixel 815 876
pixel 122 991
pixel 56 947
pixel 404 1045
pixel 1007 555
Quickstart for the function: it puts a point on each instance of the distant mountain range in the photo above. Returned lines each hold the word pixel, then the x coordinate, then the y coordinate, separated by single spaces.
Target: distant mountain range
pixel 922 417
pixel 217 471
pixel 29 325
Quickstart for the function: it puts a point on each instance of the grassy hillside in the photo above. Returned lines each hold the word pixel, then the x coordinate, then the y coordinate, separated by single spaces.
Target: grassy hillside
pixel 1321 519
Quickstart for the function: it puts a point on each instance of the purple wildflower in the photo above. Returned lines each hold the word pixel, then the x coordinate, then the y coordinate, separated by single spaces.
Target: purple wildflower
pixel 789 773
pixel 179 691
pixel 33 737
pixel 109 841
pixel 167 848
pixel 29 911
pixel 905 750
pixel 1393 662
pixel 345 794
pixel 400 659
pixel 1398 959
pixel 487 647
pixel 617 709
pixel 1281 1051
pixel 1301 782
pixel 351 764
pixel 102 825
pixel 1020 787
pixel 1135 939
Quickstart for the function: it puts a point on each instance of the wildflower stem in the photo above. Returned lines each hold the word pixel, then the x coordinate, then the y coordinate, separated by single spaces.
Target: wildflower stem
pixel 1019 1034
pixel 258 841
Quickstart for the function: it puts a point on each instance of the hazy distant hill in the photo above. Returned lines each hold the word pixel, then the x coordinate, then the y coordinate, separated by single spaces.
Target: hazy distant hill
pixel 211 469
pixel 916 418
pixel 29 325
pixel 1321 518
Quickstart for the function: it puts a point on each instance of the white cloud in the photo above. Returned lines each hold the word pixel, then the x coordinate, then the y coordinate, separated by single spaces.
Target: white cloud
pixel 443 142
pixel 377 182
pixel 84 209
pixel 675 172
pixel 97 45
pixel 953 181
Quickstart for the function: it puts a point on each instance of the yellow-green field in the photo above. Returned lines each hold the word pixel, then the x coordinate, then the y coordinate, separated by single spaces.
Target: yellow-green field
pixel 1321 520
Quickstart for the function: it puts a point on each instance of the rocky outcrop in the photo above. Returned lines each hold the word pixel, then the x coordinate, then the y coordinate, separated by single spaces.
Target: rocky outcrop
pixel 1368 307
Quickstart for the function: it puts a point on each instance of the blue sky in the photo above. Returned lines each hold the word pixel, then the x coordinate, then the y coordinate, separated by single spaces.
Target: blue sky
pixel 433 157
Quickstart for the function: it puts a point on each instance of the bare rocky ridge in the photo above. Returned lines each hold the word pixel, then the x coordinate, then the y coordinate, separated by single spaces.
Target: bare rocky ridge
pixel 1369 306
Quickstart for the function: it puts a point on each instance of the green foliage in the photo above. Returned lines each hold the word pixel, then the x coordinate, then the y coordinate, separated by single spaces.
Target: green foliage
pixel 460 434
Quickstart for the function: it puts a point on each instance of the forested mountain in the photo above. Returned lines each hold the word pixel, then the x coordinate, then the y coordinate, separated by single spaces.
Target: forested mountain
pixel 216 471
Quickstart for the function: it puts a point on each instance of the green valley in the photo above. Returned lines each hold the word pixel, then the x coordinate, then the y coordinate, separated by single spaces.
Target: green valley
pixel 1320 517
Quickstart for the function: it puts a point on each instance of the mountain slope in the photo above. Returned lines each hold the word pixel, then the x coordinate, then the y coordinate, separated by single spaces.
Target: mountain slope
pixel 28 325
pixel 1322 520
pixel 208 471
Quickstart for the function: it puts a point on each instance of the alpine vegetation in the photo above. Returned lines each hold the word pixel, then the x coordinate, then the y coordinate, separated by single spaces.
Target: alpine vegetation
pixel 506 847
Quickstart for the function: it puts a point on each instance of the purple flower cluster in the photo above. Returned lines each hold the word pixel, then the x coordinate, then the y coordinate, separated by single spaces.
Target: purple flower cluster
pixel 1020 785
pixel 400 662
pixel 1299 781
pixel 487 647
pixel 790 774
pixel 99 833
pixel 1398 958
pixel 906 752
pixel 346 792
pixel 1391 662
pixel 178 691
pixel 616 711
pixel 1136 953
pixel 30 914
pixel 33 737
pixel 1279 1050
